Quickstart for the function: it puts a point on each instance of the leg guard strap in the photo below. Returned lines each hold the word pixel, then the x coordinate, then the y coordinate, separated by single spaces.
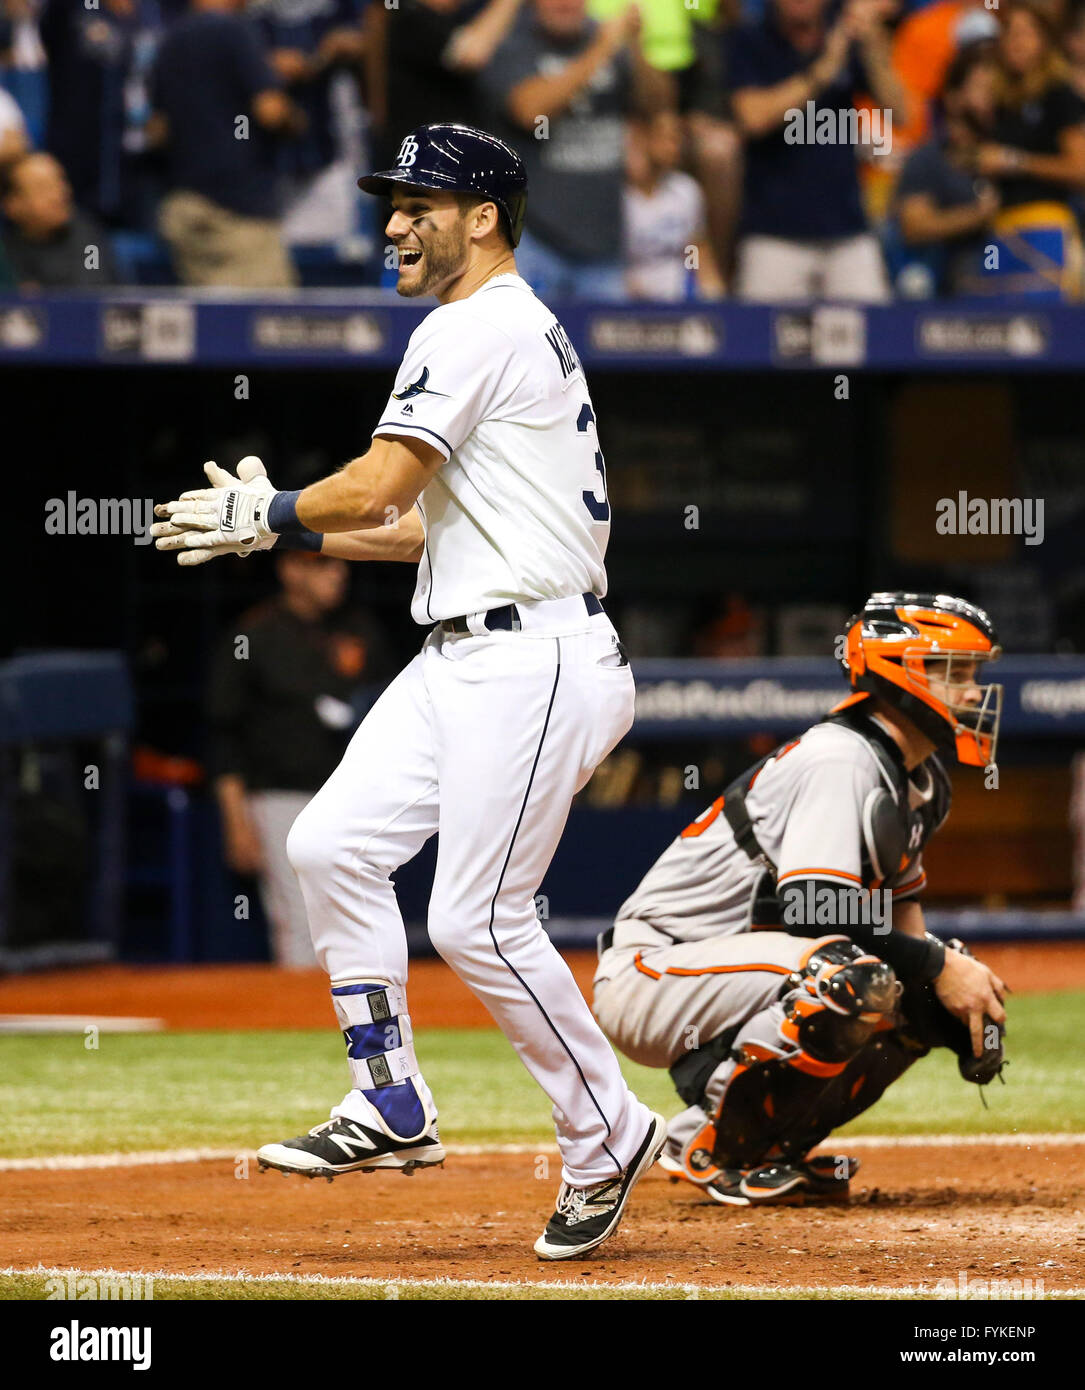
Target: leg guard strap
pixel 386 1068
pixel 371 1001
pixel 380 1047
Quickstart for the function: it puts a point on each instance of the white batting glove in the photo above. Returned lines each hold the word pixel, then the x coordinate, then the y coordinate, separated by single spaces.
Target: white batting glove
pixel 228 518
pixel 197 547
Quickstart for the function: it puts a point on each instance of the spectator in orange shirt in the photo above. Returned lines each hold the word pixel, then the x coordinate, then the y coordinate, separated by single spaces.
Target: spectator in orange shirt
pixel 924 46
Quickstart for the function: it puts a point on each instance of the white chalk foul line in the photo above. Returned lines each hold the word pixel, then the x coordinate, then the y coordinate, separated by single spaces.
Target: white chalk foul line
pixel 77 1023
pixel 65 1162
pixel 952 1141
pixel 149 1158
pixel 362 1283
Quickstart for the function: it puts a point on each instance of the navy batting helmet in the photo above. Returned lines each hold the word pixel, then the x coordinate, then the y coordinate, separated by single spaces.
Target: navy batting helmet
pixel 459 159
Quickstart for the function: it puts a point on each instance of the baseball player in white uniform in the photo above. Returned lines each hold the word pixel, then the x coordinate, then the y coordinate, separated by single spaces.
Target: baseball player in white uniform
pixel 775 957
pixel 484 470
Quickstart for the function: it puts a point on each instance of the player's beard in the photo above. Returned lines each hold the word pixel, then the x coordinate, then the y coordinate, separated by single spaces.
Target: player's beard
pixel 444 254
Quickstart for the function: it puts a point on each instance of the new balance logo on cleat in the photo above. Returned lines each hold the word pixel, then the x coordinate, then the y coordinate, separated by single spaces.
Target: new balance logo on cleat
pixel 341 1145
pixel 585 1217
pixel 352 1138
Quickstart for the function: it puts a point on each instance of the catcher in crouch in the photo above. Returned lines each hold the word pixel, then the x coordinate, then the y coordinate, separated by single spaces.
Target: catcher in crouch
pixel 775 956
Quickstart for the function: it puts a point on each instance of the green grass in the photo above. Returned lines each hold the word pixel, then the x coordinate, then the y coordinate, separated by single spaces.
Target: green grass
pixel 237 1090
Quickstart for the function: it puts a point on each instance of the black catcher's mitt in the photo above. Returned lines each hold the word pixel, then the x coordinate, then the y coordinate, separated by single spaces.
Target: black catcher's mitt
pixel 928 1023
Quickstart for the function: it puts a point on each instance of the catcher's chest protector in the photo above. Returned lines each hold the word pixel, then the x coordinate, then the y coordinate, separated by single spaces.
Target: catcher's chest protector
pixel 894 831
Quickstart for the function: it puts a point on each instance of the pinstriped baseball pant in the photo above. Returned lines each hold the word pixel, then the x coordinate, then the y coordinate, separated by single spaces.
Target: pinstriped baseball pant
pixel 486 739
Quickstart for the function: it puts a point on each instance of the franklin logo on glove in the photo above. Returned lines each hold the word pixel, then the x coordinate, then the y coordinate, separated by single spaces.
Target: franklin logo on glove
pixel 229 517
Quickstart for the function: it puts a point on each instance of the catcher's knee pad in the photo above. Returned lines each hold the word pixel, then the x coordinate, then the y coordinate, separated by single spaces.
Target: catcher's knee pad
pixel 833 1004
pixel 840 997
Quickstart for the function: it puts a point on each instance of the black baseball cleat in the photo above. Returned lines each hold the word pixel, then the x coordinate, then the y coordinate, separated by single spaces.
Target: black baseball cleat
pixel 829 1173
pixel 775 1182
pixel 727 1188
pixel 586 1216
pixel 341 1145
pixel 826 1176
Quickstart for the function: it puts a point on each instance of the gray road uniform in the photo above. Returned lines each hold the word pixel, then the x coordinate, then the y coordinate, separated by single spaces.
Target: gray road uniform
pixel 759 946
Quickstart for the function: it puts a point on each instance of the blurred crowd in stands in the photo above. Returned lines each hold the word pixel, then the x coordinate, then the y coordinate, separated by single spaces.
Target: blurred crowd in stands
pixel 676 149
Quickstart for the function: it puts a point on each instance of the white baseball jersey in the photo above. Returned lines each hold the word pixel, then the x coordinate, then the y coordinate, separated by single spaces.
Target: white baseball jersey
pixel 807 811
pixel 519 510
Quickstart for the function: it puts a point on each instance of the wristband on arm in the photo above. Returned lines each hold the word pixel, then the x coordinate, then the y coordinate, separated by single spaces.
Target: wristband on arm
pixel 282 515
pixel 304 540
pixel 282 518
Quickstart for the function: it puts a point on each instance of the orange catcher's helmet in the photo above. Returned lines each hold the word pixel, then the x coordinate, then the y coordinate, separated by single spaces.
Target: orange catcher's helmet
pixel 922 654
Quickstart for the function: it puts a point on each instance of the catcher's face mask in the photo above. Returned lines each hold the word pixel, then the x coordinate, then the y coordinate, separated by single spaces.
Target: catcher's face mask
pixel 973 710
pixel 924 654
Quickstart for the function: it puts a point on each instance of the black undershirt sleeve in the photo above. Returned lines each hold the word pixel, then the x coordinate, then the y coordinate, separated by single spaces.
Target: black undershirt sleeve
pixel 915 959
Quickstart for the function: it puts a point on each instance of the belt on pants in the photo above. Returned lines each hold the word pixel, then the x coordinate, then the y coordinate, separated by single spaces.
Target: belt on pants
pixel 605 940
pixel 507 618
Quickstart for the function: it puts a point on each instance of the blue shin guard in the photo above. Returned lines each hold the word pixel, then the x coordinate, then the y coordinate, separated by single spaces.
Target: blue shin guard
pixel 380 1052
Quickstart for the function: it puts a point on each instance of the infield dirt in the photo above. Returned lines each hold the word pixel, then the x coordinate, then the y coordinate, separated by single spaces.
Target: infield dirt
pixel 917 1215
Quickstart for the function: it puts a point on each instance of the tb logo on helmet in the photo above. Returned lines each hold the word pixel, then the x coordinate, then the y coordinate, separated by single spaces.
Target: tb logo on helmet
pixel 408 152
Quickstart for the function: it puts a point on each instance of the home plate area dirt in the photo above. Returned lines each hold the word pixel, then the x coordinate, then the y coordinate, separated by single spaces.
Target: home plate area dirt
pixel 917 1215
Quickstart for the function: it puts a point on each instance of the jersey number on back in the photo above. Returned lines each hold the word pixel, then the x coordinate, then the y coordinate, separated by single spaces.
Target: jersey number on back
pixel 599 509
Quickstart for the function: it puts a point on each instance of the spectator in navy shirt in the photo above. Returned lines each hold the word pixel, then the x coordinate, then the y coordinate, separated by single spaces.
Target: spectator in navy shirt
pixel 89 51
pixel 944 210
pixel 317 48
pixel 796 76
pixel 426 57
pixel 218 108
